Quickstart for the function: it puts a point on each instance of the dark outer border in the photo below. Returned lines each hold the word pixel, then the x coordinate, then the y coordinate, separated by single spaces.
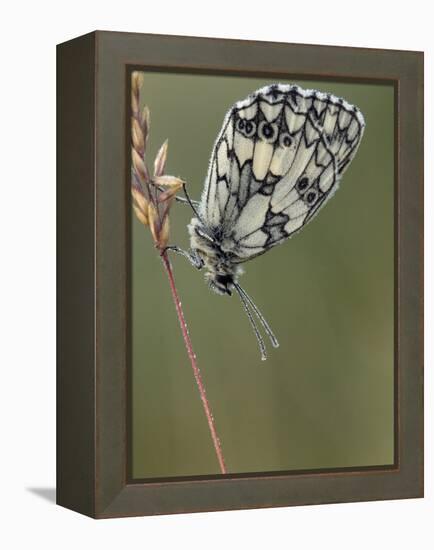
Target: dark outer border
pixel 75 408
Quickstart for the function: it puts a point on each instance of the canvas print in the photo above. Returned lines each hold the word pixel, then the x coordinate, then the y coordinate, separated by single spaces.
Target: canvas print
pixel 288 363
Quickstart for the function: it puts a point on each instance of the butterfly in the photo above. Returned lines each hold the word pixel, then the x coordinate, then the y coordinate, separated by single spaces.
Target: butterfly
pixel 276 162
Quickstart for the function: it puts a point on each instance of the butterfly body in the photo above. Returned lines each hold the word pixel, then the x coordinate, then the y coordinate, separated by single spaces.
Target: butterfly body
pixel 215 253
pixel 277 160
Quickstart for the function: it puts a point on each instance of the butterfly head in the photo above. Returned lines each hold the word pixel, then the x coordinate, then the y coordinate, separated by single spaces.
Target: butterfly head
pixel 220 283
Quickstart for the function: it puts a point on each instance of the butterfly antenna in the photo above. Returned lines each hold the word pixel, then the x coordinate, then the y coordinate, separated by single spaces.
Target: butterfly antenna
pixel 261 318
pixel 252 322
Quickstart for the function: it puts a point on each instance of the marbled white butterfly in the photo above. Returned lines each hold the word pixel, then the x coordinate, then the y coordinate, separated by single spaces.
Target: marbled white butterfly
pixel 276 161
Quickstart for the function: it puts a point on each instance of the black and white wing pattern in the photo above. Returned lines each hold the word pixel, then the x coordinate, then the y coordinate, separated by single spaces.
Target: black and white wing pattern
pixel 277 160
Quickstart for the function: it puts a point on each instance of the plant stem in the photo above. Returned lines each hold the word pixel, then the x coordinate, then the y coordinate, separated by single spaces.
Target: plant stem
pixel 196 371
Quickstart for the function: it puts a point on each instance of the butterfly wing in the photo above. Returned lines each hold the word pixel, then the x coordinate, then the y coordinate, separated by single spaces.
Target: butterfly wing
pixel 277 160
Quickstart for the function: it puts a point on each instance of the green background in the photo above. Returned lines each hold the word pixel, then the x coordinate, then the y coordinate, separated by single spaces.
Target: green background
pixel 324 399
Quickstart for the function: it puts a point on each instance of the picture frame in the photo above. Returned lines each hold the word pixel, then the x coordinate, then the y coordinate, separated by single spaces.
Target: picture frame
pixel 94 301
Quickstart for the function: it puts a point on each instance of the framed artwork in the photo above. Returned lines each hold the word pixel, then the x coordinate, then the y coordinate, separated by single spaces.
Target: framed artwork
pixel 200 366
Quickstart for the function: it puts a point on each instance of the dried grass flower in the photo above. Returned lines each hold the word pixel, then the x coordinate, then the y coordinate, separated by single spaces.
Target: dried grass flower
pixel 152 194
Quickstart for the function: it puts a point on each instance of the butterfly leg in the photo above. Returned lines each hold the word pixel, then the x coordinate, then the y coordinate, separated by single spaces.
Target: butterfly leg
pixel 182 200
pixel 194 258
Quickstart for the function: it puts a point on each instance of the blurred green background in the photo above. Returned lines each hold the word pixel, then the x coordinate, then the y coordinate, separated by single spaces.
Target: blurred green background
pixel 324 399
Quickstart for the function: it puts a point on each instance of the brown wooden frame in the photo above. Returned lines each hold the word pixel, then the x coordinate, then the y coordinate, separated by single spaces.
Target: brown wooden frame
pixel 93 244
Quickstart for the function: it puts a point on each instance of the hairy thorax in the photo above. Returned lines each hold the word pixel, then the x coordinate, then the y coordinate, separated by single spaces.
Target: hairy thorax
pixel 217 256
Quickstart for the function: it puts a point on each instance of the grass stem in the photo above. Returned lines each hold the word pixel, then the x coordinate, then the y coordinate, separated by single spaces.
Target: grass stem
pixel 196 371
